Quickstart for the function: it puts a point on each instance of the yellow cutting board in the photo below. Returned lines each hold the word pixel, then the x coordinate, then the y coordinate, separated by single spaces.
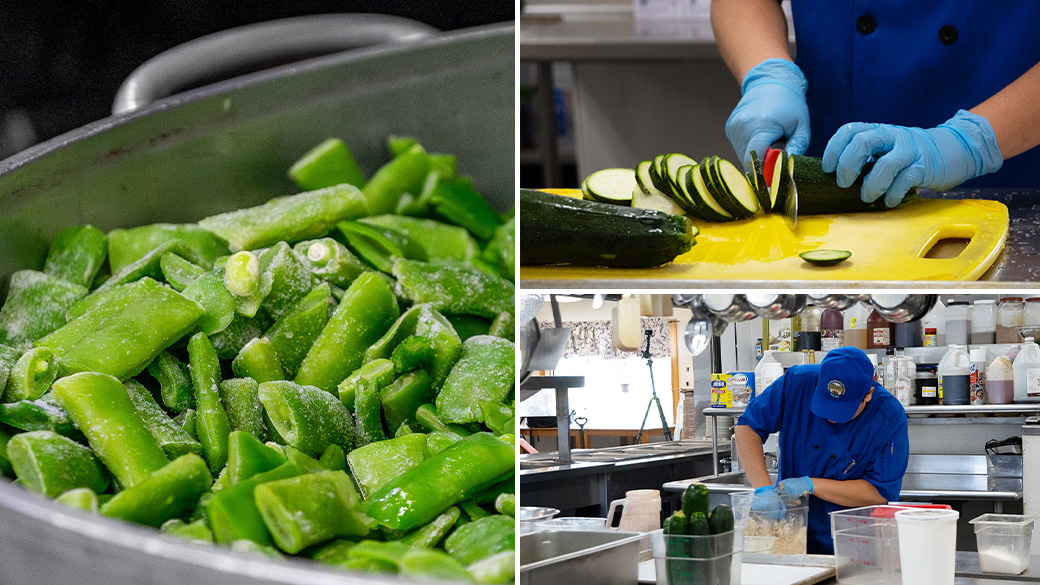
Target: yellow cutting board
pixel 890 245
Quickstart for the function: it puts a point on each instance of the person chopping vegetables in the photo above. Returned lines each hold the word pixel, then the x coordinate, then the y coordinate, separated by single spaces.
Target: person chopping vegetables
pixel 938 92
pixel 843 441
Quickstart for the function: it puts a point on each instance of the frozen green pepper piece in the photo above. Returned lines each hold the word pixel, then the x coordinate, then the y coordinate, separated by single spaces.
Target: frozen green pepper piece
pixel 42 414
pixel 497 569
pixel 430 563
pixel 170 492
pixel 247 456
pixel 481 538
pixel 247 282
pixel 403 397
pixel 178 272
pixel 308 418
pixel 309 509
pixel 241 400
pixel 402 327
pixel 501 250
pixel 209 291
pixel 212 423
pixel 233 514
pixel 438 441
pixel 335 552
pixel 412 353
pixel 101 408
pixel 425 491
pixel 197 530
pixel 5 461
pixel 83 498
pixel 503 326
pixel 398 145
pixel 289 279
pixel 146 266
pixel 91 312
pixel 485 371
pixel 498 417
pixel 8 357
pixel 432 533
pixel 489 494
pixel 250 547
pixel 303 461
pixel 293 218
pixel 378 553
pixel 454 288
pixel 31 375
pixel 472 510
pixel 506 504
pixel 124 342
pixel 171 437
pixel 293 335
pixel 126 246
pixel 404 174
pixel 330 260
pixel 35 306
pixel 427 239
pixel 188 420
pixel 333 458
pixel 258 360
pixel 423 321
pixel 50 464
pixel 174 382
pixel 469 325
pixel 376 464
pixel 378 372
pixel 376 246
pixel 426 416
pixel 76 254
pixel 327 164
pixel 367 310
pixel 453 199
pixel 240 332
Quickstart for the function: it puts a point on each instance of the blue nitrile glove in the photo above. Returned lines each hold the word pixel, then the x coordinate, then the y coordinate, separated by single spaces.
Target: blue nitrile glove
pixel 962 148
pixel 795 487
pixel 767 503
pixel 772 108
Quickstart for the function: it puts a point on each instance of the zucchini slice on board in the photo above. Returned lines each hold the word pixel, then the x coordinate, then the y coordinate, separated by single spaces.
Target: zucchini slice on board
pixel 657 174
pixel 825 257
pixel 739 196
pixel 646 196
pixel 672 164
pixel 707 207
pixel 819 193
pixel 566 230
pixel 778 182
pixel 610 186
pixel 758 181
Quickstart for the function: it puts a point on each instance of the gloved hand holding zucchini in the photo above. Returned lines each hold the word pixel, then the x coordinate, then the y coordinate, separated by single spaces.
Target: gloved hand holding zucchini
pixel 714 190
pixel 285 379
pixel 686 539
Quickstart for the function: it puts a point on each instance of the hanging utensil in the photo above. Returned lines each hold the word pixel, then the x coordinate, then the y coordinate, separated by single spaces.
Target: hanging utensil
pixel 902 308
pixel 774 306
pixel 833 301
pixel 732 308
pixel 699 309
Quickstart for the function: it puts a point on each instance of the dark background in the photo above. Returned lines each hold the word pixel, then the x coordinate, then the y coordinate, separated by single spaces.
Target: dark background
pixel 62 62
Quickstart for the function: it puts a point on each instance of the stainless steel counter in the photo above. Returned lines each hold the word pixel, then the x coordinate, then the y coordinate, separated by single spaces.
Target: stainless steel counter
pixel 542 466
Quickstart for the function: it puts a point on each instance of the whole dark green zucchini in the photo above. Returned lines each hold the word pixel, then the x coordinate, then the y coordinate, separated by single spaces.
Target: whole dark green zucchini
pixel 819 193
pixel 563 230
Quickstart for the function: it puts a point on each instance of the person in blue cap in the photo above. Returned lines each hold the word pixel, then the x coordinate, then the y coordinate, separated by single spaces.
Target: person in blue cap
pixel 843 441
pixel 939 93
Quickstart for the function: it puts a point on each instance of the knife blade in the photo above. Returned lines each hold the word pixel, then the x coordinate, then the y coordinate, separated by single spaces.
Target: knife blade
pixel 791 197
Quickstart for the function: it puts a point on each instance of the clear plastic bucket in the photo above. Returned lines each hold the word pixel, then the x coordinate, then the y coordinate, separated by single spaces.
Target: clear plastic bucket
pixel 866 545
pixel 786 536
pixel 698 560
pixel 1004 541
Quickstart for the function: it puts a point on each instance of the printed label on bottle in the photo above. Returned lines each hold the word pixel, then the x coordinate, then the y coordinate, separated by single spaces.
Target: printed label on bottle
pixel 831 339
pixel 928 391
pixel 852 323
pixel 938 389
pixel 881 336
pixel 1033 382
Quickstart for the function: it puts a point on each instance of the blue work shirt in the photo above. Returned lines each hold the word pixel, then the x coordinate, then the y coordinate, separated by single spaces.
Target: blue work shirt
pixel 873 446
pixel 914 63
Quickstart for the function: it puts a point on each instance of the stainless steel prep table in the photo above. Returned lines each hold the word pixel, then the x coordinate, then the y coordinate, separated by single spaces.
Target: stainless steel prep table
pixel 598 476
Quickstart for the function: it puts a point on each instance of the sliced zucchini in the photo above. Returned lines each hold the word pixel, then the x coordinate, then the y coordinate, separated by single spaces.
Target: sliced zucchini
pixel 646 196
pixel 778 182
pixel 672 164
pixel 825 257
pixel 709 209
pixel 691 201
pixel 759 183
pixel 657 174
pixel 739 197
pixel 610 186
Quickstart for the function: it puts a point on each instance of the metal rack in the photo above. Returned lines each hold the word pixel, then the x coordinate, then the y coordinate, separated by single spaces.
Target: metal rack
pixel 561 384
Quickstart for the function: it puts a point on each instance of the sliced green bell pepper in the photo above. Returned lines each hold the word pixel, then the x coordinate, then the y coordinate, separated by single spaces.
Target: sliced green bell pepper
pixel 174 382
pixel 35 306
pixel 42 414
pixel 327 164
pixel 83 498
pixel 31 375
pixel 432 533
pixel 258 360
pixel 454 288
pixel 171 437
pixel 170 492
pixel 481 538
pixel 404 174
pixel 241 400
pixel 485 371
pixel 76 254
pixel 307 418
pixel 212 423
pixel 293 335
pixel 403 397
pixel 376 464
pixel 178 272
pixel 247 456
pixel 50 464
pixel 497 569
pixel 126 246
pixel 330 261
pixel 233 514
pixel 209 291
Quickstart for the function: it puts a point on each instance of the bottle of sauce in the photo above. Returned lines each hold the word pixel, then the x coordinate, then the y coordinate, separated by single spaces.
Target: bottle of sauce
pixel 1027 372
pixel 880 329
pixel 977 376
pixel 1009 319
pixel 931 338
pixel 958 322
pixel 955 376
pixel 1000 381
pixel 832 332
pixel 984 322
pixel 809 336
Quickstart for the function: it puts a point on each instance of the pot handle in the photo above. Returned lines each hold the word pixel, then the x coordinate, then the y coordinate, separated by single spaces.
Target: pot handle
pixel 255 47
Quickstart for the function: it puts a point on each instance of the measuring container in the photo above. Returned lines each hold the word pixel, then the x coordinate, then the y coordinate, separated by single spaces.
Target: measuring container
pixel 927 545
pixel 1004 541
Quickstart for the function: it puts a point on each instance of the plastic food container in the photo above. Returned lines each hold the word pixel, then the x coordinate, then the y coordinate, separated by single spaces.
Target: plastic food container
pixel 927 545
pixel 866 545
pixel 718 561
pixel 1003 542
pixel 786 536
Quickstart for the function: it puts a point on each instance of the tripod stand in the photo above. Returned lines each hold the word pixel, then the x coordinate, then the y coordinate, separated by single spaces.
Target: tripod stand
pixel 645 354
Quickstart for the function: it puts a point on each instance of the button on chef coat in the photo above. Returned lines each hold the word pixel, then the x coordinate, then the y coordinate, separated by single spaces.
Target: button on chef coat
pixel 873 446
pixel 914 63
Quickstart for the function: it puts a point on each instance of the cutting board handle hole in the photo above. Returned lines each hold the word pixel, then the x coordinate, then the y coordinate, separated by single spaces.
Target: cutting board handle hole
pixel 946 248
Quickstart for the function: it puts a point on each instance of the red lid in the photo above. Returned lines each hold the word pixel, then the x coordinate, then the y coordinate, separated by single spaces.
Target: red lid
pixel 890 511
pixel 929 331
pixel 1011 299
pixel 1033 299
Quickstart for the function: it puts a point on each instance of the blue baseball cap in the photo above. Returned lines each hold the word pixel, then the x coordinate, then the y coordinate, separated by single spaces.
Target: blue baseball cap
pixel 846 376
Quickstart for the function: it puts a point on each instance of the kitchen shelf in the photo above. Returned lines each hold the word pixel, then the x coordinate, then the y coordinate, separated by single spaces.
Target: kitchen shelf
pixel 1023 409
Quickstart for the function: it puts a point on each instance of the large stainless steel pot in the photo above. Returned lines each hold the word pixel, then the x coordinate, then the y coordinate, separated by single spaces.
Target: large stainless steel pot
pixel 211 150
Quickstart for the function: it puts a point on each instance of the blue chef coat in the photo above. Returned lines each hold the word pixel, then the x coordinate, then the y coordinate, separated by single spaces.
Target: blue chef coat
pixel 873 446
pixel 914 63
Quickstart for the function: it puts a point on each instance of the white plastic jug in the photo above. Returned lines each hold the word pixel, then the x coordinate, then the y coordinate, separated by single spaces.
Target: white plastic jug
pixel 955 376
pixel 766 372
pixel 1027 372
pixel 638 511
